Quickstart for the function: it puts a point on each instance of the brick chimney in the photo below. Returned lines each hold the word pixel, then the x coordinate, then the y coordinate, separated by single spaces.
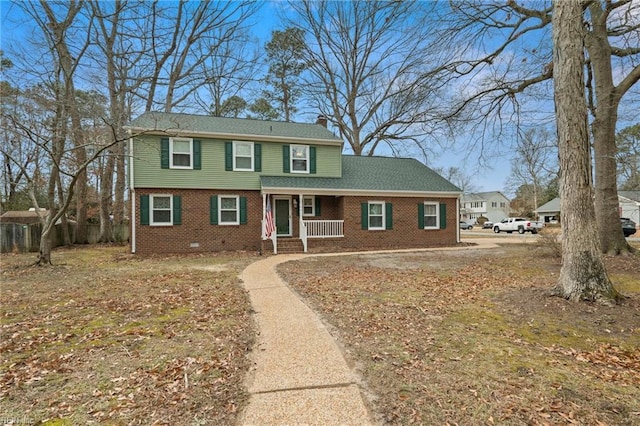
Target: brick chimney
pixel 322 120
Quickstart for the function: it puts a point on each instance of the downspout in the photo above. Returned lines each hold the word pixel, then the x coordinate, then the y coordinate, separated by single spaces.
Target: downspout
pixel 458 216
pixel 132 191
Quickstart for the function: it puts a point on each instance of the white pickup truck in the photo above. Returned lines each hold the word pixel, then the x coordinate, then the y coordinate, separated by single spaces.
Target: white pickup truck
pixel 519 224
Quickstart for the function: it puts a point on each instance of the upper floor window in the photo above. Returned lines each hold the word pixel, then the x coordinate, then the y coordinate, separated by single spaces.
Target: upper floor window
pixel 181 153
pixel 431 220
pixel 494 204
pixel 299 159
pixel 503 204
pixel 161 210
pixel 243 156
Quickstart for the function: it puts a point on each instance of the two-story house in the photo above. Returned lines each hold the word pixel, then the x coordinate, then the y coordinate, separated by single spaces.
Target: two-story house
pixel 202 183
pixel 493 205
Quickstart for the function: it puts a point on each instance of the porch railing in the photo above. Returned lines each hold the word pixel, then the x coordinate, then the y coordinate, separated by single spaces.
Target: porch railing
pixel 324 228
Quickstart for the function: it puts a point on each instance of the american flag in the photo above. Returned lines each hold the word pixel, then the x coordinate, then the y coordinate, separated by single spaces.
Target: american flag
pixel 268 218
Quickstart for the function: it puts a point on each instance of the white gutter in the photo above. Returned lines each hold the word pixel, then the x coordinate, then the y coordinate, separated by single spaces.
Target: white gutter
pixel 132 191
pixel 358 192
pixel 235 136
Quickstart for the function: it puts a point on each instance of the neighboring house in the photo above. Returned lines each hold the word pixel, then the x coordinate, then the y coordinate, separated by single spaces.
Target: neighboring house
pixel 25 217
pixel 629 206
pixel 202 183
pixel 549 212
pixel 493 205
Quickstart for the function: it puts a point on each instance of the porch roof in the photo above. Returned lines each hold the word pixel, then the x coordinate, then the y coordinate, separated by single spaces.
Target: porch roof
pixel 364 175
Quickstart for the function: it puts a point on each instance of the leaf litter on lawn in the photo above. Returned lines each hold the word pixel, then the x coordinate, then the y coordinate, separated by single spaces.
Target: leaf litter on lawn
pixel 105 337
pixel 472 337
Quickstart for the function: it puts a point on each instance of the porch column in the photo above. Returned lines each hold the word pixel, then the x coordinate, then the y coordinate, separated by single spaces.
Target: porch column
pixel 264 213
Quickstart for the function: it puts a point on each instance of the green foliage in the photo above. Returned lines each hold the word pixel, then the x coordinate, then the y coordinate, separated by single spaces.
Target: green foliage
pixel 263 110
pixel 233 107
pixel 285 55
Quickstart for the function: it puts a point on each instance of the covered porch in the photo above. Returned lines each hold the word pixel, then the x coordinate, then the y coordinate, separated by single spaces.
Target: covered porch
pixel 293 219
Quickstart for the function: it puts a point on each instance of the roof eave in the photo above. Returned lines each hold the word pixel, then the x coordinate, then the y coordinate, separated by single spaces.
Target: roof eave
pixel 358 192
pixel 241 136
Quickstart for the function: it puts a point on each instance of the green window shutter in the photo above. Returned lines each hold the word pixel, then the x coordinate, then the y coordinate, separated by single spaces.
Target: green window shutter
pixel 177 210
pixel 257 157
pixel 144 210
pixel 197 155
pixel 443 216
pixel 243 210
pixel 312 160
pixel 318 206
pixel 285 158
pixel 164 153
pixel 213 210
pixel 420 215
pixel 364 215
pixel 228 156
pixel 388 215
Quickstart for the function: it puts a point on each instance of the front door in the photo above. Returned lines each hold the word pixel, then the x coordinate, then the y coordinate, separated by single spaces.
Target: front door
pixel 283 216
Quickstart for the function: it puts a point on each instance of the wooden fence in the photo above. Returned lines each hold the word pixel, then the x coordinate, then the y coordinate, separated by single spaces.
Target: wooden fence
pixel 19 238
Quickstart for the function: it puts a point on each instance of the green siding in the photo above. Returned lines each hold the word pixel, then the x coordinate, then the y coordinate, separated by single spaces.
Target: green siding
pixel 212 175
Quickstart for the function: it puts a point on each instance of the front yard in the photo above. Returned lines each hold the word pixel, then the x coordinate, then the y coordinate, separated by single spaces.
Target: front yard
pixel 444 337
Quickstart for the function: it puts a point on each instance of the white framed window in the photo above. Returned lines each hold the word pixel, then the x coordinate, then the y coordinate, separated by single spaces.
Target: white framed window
pixel 299 158
pixel 243 156
pixel 229 210
pixel 161 207
pixel 308 206
pixel 376 215
pixel 432 216
pixel 181 153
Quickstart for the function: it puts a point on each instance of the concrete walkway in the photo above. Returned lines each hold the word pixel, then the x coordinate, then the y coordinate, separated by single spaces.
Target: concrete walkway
pixel 300 376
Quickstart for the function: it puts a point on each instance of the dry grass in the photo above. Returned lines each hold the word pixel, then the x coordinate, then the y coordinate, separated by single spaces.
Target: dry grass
pixel 472 337
pixel 105 337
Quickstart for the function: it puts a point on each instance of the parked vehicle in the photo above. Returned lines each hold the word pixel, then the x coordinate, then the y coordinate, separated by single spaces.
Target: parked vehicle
pixel 519 224
pixel 487 225
pixel 465 225
pixel 628 226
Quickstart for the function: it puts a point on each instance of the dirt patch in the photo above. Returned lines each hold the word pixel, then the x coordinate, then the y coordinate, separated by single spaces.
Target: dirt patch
pixel 474 338
pixel 105 337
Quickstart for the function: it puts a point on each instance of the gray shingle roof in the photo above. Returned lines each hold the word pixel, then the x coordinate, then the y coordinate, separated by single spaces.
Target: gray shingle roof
pixel 205 124
pixel 371 174
pixel 552 206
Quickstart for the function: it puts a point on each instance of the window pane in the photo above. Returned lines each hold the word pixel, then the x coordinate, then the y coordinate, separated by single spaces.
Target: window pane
pixel 375 209
pixel 429 209
pixel 375 221
pixel 300 165
pixel 430 221
pixel 181 146
pixel 307 201
pixel 243 162
pixel 181 160
pixel 161 216
pixel 243 149
pixel 228 203
pixel 161 202
pixel 299 152
pixel 228 216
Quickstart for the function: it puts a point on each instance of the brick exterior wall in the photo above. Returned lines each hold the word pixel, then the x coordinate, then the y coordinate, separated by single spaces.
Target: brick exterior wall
pixel 196 234
pixel 196 228
pixel 405 232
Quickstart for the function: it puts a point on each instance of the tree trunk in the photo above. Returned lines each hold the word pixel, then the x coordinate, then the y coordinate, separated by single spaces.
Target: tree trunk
pixel 44 255
pixel 583 275
pixel 612 239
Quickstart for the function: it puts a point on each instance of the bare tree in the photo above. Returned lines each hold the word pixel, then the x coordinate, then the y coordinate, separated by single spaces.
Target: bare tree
pixel 368 70
pixel 180 41
pixel 499 77
pixel 459 178
pixel 629 158
pixel 533 162
pixel 583 275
